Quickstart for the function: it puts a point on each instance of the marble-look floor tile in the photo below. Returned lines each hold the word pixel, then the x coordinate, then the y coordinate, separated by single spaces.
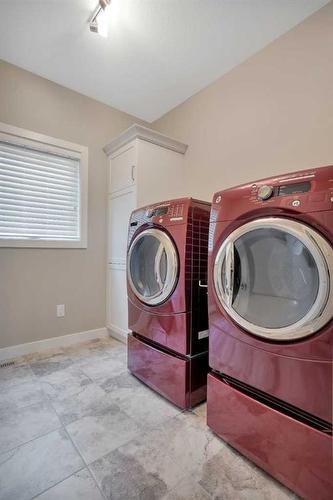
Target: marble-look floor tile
pixel 21 425
pixel 89 363
pixel 173 450
pixel 119 353
pixel 87 355
pixel 103 369
pixel 32 468
pixel 201 411
pixel 102 345
pixel 100 348
pixel 64 383
pixel 80 486
pixel 124 381
pixel 50 365
pixel 43 355
pixel 16 374
pixel 188 489
pixel 20 394
pixel 138 444
pixel 122 477
pixel 96 435
pixel 144 405
pixel 116 346
pixel 228 475
pixel 91 399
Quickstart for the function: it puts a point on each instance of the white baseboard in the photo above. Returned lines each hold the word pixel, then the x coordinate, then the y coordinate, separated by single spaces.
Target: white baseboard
pixel 15 351
pixel 118 333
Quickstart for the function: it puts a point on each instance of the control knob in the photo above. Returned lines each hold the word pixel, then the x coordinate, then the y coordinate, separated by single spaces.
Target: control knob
pixel 265 192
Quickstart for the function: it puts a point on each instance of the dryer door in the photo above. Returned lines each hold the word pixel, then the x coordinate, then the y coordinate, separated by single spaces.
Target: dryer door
pixel 274 277
pixel 152 266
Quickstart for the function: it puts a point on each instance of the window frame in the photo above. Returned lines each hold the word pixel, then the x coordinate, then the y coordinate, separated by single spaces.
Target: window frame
pixel 22 137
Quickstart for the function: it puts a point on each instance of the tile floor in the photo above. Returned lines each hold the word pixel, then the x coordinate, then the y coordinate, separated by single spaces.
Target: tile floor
pixel 74 424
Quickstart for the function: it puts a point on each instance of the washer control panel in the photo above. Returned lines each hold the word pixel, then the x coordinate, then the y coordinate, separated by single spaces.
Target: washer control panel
pixel 265 192
pixel 303 192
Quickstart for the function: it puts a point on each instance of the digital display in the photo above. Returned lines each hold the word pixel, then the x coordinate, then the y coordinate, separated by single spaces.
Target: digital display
pixel 159 211
pixel 301 187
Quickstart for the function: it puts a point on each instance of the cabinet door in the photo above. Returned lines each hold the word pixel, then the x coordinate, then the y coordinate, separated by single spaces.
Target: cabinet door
pixel 120 207
pixel 160 174
pixel 122 170
pixel 117 299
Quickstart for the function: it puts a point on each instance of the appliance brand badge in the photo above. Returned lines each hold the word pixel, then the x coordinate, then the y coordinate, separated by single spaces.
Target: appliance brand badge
pixel 218 199
pixel 203 334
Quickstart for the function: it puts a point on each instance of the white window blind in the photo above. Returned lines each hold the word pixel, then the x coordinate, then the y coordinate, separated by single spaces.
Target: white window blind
pixel 39 194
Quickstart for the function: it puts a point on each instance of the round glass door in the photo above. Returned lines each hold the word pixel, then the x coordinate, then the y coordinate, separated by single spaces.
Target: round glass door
pixel 272 277
pixel 152 266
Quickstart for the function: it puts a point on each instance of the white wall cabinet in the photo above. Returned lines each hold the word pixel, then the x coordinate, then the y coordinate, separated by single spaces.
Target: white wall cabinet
pixel 116 313
pixel 145 167
pixel 120 206
pixel 123 169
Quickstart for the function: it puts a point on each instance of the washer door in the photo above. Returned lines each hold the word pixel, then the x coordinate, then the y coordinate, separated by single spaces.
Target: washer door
pixel 273 276
pixel 152 266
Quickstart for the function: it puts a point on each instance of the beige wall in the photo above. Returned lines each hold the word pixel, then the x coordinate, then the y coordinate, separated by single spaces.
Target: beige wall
pixel 271 114
pixel 33 281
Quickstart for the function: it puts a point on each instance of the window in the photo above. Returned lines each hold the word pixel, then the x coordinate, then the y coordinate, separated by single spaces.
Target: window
pixel 43 191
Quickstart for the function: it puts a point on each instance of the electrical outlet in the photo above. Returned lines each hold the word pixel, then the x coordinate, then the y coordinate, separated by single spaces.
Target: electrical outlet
pixel 60 310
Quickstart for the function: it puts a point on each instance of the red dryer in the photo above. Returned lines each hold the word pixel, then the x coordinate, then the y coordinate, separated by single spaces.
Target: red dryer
pixel 271 331
pixel 167 298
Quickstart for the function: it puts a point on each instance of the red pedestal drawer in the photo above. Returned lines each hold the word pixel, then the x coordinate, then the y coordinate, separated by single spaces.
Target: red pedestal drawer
pixel 182 381
pixel 291 451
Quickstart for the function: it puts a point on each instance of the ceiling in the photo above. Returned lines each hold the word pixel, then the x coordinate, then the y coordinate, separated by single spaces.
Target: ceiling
pixel 158 52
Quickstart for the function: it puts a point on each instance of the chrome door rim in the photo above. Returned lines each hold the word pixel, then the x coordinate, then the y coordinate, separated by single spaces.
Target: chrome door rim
pixel 172 268
pixel 322 252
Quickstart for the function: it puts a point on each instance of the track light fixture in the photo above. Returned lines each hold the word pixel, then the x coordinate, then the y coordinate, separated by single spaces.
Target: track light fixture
pixel 98 20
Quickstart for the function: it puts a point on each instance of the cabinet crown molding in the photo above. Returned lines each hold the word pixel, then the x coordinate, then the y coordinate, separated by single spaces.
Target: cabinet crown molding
pixel 145 134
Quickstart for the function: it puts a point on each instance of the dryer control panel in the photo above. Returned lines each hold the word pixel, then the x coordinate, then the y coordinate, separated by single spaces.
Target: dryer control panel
pixel 172 212
pixel 166 213
pixel 178 212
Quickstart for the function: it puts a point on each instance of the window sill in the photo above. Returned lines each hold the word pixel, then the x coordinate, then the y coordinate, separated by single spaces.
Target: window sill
pixel 43 244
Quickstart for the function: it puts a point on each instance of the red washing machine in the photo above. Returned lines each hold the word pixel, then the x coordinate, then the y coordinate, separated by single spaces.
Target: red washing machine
pixel 270 303
pixel 167 298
